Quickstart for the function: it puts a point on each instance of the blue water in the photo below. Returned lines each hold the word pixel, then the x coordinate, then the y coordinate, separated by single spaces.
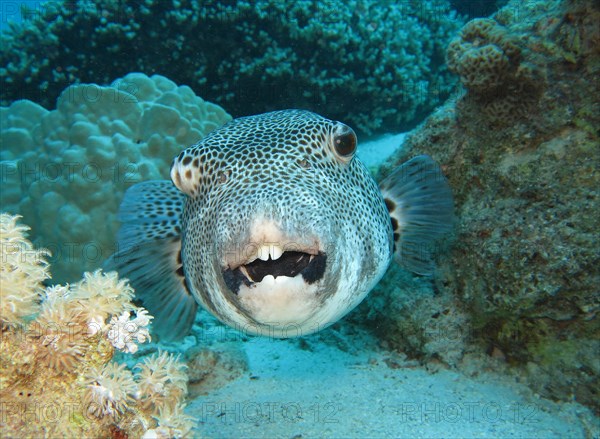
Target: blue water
pixel 12 12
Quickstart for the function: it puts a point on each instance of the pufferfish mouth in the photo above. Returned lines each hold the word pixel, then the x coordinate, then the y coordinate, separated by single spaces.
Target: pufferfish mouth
pixel 275 261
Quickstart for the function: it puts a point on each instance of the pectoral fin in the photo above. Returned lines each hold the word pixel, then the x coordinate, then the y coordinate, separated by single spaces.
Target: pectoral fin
pixel 420 203
pixel 149 255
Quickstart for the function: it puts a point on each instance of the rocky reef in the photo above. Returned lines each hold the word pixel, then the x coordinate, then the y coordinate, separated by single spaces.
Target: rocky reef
pixel 521 279
pixel 66 170
pixel 57 377
pixel 503 78
pixel 374 64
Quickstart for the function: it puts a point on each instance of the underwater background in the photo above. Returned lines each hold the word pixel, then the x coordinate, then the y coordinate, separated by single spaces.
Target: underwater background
pixel 504 339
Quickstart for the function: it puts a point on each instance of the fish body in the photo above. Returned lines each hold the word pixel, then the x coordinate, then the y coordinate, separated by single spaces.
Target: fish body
pixel 274 226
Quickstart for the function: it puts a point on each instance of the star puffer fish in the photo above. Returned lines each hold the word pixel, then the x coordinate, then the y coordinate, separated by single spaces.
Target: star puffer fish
pixel 274 226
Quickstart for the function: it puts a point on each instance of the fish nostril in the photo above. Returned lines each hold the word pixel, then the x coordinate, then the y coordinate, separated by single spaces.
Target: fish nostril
pixel 224 176
pixel 304 163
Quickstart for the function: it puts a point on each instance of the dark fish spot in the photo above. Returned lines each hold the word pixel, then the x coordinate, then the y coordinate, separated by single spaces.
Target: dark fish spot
pixel 234 279
pixel 316 269
pixel 389 204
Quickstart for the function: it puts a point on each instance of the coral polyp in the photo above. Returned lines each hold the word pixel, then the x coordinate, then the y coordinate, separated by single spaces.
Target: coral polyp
pixel 60 338
pixel 102 294
pixel 23 270
pixel 110 390
pixel 162 379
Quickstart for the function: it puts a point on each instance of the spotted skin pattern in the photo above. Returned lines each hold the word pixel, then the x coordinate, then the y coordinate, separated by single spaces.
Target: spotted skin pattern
pixel 288 182
pixel 280 168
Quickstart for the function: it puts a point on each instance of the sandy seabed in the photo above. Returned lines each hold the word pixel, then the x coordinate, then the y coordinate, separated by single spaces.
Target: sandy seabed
pixel 343 386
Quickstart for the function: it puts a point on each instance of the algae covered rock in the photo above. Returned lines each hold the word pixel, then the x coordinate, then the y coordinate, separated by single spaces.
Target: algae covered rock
pixel 66 169
pixel 522 277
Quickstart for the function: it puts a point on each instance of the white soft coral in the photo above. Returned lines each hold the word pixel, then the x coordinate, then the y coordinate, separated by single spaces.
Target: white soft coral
pixel 22 270
pixel 172 423
pixel 125 333
pixel 101 295
pixel 162 380
pixel 161 369
pixel 110 390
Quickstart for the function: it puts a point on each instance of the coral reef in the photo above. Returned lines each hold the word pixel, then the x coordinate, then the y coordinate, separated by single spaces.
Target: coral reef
pixel 56 374
pixel 376 65
pixel 494 66
pixel 523 273
pixel 484 56
pixel 66 170
pixel 477 8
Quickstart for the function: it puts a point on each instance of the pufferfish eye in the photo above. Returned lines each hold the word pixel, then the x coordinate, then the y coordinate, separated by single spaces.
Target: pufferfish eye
pixel 344 142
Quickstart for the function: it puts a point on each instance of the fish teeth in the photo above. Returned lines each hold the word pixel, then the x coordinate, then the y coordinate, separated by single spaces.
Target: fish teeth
pixel 276 252
pixel 263 252
pixel 245 272
pixel 266 250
